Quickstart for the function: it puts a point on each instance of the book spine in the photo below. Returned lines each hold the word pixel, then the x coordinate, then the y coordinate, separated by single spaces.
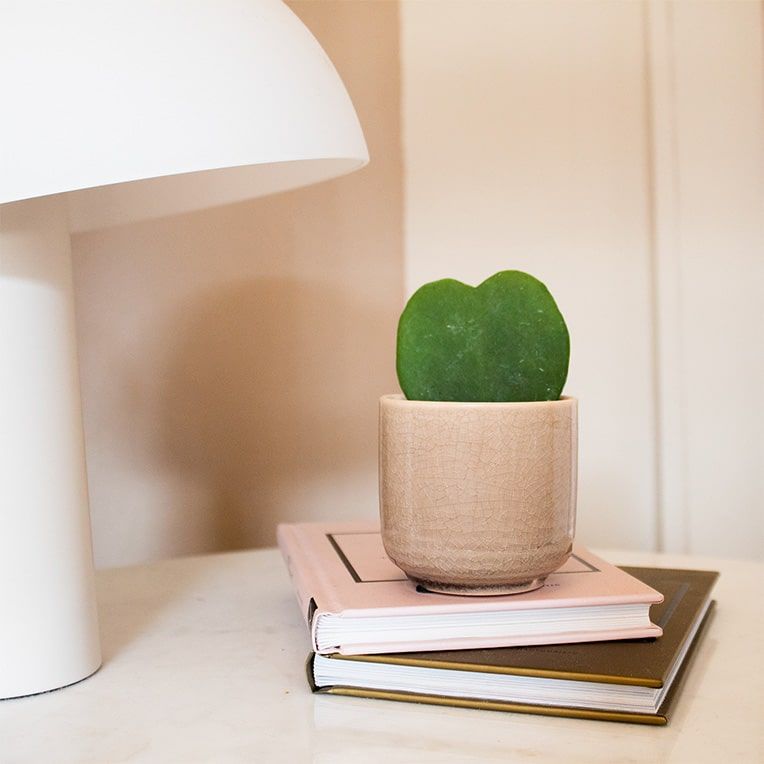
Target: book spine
pixel 309 584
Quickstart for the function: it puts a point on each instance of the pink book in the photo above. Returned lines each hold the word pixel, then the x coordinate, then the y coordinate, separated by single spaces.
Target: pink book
pixel 356 601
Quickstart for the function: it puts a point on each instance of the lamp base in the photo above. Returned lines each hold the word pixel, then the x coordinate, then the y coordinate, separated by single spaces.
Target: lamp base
pixel 49 634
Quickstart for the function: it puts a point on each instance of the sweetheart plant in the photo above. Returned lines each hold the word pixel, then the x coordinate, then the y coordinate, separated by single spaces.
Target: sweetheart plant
pixel 504 340
pixel 478 457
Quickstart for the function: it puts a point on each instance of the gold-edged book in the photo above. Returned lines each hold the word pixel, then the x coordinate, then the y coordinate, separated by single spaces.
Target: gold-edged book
pixel 634 681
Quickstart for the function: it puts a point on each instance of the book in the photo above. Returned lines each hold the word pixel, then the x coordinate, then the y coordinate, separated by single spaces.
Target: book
pixel 356 601
pixel 628 680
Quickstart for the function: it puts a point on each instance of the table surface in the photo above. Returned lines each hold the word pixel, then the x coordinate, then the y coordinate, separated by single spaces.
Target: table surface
pixel 204 662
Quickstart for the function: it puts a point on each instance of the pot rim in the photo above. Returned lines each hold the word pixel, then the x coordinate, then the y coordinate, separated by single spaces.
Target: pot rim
pixel 398 399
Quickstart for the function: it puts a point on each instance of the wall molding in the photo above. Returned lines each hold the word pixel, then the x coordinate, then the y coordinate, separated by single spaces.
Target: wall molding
pixel 672 521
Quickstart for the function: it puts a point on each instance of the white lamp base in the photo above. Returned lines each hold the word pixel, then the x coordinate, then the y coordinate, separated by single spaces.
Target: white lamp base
pixel 48 621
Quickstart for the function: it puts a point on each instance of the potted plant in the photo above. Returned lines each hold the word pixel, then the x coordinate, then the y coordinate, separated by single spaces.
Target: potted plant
pixel 478 457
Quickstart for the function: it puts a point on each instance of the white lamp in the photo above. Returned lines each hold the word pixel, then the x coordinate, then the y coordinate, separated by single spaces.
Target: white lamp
pixel 106 108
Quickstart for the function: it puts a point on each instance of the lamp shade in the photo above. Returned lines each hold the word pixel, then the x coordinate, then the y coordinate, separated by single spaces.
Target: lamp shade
pixel 110 93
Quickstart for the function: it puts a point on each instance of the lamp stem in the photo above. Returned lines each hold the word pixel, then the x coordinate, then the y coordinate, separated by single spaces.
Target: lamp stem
pixel 48 620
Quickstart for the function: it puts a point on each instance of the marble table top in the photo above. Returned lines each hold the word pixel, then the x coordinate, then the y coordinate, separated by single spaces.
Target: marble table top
pixel 204 662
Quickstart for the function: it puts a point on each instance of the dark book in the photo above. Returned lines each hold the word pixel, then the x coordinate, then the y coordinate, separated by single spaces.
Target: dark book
pixel 634 680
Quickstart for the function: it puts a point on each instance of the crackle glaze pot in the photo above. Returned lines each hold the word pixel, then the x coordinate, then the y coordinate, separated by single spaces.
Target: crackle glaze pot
pixel 478 498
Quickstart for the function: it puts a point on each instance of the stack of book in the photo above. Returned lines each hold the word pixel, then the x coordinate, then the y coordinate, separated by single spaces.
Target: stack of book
pixel 596 641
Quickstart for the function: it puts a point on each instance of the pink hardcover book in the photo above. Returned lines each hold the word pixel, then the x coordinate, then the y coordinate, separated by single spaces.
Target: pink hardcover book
pixel 356 601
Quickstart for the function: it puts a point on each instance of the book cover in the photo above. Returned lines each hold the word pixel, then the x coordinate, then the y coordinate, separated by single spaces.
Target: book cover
pixel 644 663
pixel 342 570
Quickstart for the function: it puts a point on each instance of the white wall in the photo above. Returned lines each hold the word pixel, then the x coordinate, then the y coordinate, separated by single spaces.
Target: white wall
pixel 615 151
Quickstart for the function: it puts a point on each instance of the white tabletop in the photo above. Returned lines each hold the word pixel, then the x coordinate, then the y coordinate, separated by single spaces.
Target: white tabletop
pixel 204 662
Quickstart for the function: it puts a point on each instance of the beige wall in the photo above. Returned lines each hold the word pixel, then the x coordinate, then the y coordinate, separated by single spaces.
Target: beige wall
pixel 708 193
pixel 525 144
pixel 231 360
pixel 615 150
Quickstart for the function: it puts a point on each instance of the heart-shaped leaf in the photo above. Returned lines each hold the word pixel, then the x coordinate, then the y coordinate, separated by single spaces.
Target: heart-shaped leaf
pixel 504 340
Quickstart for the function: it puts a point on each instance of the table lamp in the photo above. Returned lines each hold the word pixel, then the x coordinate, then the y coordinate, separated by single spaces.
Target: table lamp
pixel 112 112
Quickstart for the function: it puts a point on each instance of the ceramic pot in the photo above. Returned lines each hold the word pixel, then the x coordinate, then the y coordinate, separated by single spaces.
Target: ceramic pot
pixel 478 498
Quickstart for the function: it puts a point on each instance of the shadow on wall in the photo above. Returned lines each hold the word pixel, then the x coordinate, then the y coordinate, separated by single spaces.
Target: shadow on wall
pixel 257 395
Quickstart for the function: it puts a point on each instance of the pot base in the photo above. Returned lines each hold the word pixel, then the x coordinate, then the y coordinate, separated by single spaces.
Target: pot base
pixel 489 590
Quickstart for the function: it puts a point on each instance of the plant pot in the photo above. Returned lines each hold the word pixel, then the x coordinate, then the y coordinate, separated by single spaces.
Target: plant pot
pixel 478 498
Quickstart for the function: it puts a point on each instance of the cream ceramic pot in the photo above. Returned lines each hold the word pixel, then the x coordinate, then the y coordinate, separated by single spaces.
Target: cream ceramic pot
pixel 478 498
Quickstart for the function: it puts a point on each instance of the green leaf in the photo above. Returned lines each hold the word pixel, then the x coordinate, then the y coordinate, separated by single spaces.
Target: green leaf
pixel 504 340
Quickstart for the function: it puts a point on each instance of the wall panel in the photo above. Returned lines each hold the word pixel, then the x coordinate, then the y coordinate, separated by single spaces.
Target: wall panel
pixel 708 124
